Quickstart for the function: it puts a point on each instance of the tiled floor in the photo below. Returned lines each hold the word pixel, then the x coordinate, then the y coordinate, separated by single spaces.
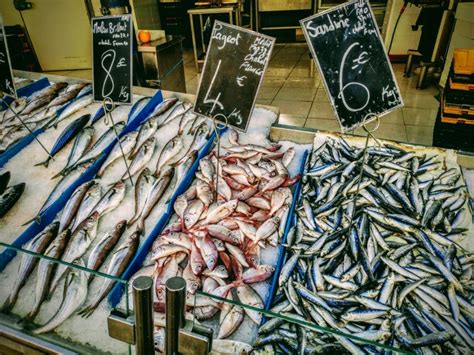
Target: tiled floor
pixel 292 83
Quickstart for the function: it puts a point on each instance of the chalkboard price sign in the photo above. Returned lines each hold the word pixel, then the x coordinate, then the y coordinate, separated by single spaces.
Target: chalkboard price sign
pixel 7 84
pixel 112 58
pixel 347 47
pixel 233 71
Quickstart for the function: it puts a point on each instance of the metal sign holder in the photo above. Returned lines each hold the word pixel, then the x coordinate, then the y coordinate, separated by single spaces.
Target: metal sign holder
pixel 216 127
pixel 28 128
pixel 369 132
pixel 109 105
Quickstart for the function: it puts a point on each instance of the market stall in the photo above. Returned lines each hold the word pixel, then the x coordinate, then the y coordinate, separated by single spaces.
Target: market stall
pixel 278 288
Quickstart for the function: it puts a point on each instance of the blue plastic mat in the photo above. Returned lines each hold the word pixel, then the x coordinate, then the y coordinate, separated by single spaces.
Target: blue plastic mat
pixel 48 216
pixel 281 249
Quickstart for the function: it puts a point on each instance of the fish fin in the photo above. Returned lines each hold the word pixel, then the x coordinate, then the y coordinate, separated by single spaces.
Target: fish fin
pixel 9 303
pixel 87 311
pixel 44 163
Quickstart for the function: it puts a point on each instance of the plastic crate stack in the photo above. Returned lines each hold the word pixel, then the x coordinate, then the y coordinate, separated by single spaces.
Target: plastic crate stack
pixel 454 126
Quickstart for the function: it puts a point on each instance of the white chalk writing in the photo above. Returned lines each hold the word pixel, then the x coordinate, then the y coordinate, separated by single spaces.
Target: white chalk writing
pixel 332 25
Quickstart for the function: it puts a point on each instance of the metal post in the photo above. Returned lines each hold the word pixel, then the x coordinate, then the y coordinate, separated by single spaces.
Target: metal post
pixel 143 308
pixel 175 301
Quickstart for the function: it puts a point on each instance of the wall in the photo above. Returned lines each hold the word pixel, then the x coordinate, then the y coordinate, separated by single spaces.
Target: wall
pixel 405 37
pixel 10 15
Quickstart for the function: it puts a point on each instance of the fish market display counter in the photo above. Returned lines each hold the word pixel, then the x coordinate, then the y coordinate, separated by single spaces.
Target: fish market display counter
pixel 290 240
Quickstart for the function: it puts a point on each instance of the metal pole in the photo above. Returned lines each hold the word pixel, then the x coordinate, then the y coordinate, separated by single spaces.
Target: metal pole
pixel 175 300
pixel 143 308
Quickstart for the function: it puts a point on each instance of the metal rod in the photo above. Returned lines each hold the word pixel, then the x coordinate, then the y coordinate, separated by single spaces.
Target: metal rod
pixel 29 130
pixel 175 301
pixel 108 113
pixel 143 308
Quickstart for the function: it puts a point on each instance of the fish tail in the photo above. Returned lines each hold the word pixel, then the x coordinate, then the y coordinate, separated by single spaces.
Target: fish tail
pixel 44 163
pixel 141 225
pixel 87 311
pixel 90 278
pixel 32 315
pixel 10 302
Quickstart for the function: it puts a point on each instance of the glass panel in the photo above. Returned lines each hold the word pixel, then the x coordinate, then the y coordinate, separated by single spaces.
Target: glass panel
pixel 280 331
pixel 70 311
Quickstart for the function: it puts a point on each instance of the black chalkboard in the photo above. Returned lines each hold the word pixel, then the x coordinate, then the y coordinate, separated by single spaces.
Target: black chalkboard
pixel 235 63
pixel 7 85
pixel 347 47
pixel 112 58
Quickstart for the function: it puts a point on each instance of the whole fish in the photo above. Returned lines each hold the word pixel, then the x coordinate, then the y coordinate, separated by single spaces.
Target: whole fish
pixel 154 196
pixel 73 107
pixel 62 186
pixel 169 151
pixel 143 187
pixel 46 270
pixel 101 250
pixel 231 322
pixel 62 99
pixel 75 294
pixel 183 166
pixel 9 198
pixel 52 89
pixel 247 295
pixel 127 141
pixel 4 180
pixel 111 199
pixel 147 130
pixel 66 136
pixel 142 157
pixel 88 202
pixel 81 144
pixel 102 143
pixel 72 206
pixel 119 261
pixel 164 106
pixel 37 103
pixel 80 241
pixel 28 262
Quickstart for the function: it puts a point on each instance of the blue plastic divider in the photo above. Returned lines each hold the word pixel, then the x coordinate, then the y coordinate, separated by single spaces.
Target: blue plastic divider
pixel 48 216
pixel 26 91
pixel 137 261
pixel 281 249
pixel 23 142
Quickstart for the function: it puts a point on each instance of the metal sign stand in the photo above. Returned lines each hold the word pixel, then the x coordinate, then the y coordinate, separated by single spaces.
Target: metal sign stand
pixel 216 127
pixel 109 105
pixel 29 130
pixel 364 158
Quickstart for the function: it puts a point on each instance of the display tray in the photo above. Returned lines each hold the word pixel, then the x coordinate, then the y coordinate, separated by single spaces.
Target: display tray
pixel 274 308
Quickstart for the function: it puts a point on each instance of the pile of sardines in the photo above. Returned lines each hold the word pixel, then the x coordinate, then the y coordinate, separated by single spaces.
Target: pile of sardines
pixel 40 110
pixel 237 205
pixel 9 195
pixel 377 258
pixel 72 237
